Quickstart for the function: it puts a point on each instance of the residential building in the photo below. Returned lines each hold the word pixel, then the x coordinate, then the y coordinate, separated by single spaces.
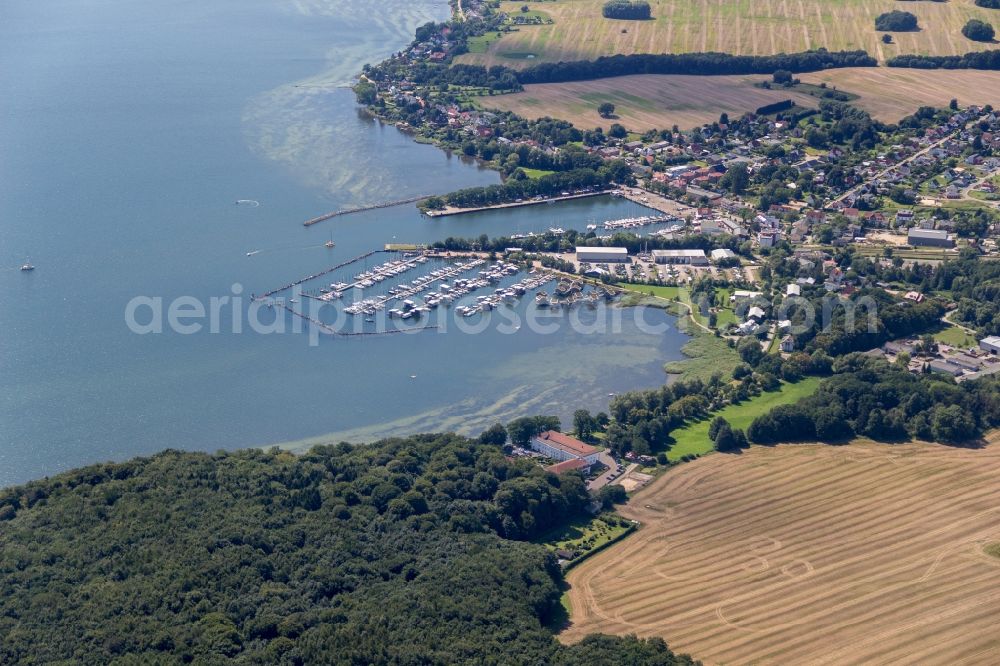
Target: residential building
pixel 768 238
pixel 788 344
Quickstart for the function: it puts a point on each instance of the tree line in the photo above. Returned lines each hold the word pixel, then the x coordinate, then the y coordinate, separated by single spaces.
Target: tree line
pixel 406 551
pixel 975 60
pixel 527 188
pixel 692 63
pixel 871 397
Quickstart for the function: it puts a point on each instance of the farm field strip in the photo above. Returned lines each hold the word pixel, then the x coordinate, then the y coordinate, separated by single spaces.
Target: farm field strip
pixel 580 32
pixel 808 553
pixel 659 101
pixel 645 102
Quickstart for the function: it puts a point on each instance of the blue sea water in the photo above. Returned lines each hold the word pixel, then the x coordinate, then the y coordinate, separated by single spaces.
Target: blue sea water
pixel 127 132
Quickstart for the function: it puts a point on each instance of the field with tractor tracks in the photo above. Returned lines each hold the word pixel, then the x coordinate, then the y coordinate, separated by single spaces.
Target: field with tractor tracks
pixel 866 553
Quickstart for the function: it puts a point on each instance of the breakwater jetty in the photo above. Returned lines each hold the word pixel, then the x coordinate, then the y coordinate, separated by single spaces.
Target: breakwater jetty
pixel 450 210
pixel 360 209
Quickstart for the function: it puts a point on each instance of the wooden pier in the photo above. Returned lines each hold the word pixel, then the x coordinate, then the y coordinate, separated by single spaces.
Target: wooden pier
pixel 361 209
pixel 288 286
pixel 351 334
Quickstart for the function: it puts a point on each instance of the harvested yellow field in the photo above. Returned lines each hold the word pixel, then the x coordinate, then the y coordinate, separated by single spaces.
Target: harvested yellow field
pixel 659 101
pixel 889 93
pixel 648 101
pixel 809 555
pixel 580 32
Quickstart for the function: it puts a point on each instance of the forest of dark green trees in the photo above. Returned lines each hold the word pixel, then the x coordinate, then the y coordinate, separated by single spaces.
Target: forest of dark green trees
pixel 401 552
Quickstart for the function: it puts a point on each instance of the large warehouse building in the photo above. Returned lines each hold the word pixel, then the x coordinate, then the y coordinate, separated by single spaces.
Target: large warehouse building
pixel 990 344
pixel 930 238
pixel 692 257
pixel 602 255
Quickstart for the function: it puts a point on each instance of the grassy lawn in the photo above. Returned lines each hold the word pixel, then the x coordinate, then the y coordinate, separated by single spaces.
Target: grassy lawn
pixel 693 438
pixel 724 317
pixel 481 43
pixel 725 314
pixel 955 336
pixel 584 534
pixel 535 173
pixel 668 293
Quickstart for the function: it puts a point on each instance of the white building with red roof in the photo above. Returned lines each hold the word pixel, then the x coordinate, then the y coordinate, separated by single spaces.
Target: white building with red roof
pixel 558 446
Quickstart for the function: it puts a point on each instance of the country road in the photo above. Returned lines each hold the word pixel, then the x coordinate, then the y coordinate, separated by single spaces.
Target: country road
pixel 882 173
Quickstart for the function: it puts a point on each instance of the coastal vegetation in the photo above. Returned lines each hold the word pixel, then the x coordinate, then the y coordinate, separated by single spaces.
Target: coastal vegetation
pixel 341 555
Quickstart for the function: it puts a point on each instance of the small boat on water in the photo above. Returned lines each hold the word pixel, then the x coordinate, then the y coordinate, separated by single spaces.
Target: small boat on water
pixel 542 299
pixel 252 252
pixel 27 266
pixel 330 243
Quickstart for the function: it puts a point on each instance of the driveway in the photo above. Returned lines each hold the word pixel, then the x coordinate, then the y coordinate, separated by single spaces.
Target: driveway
pixel 603 479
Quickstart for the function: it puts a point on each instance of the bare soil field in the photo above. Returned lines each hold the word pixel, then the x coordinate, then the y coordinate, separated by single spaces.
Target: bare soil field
pixel 809 554
pixel 890 93
pixel 649 101
pixel 580 32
